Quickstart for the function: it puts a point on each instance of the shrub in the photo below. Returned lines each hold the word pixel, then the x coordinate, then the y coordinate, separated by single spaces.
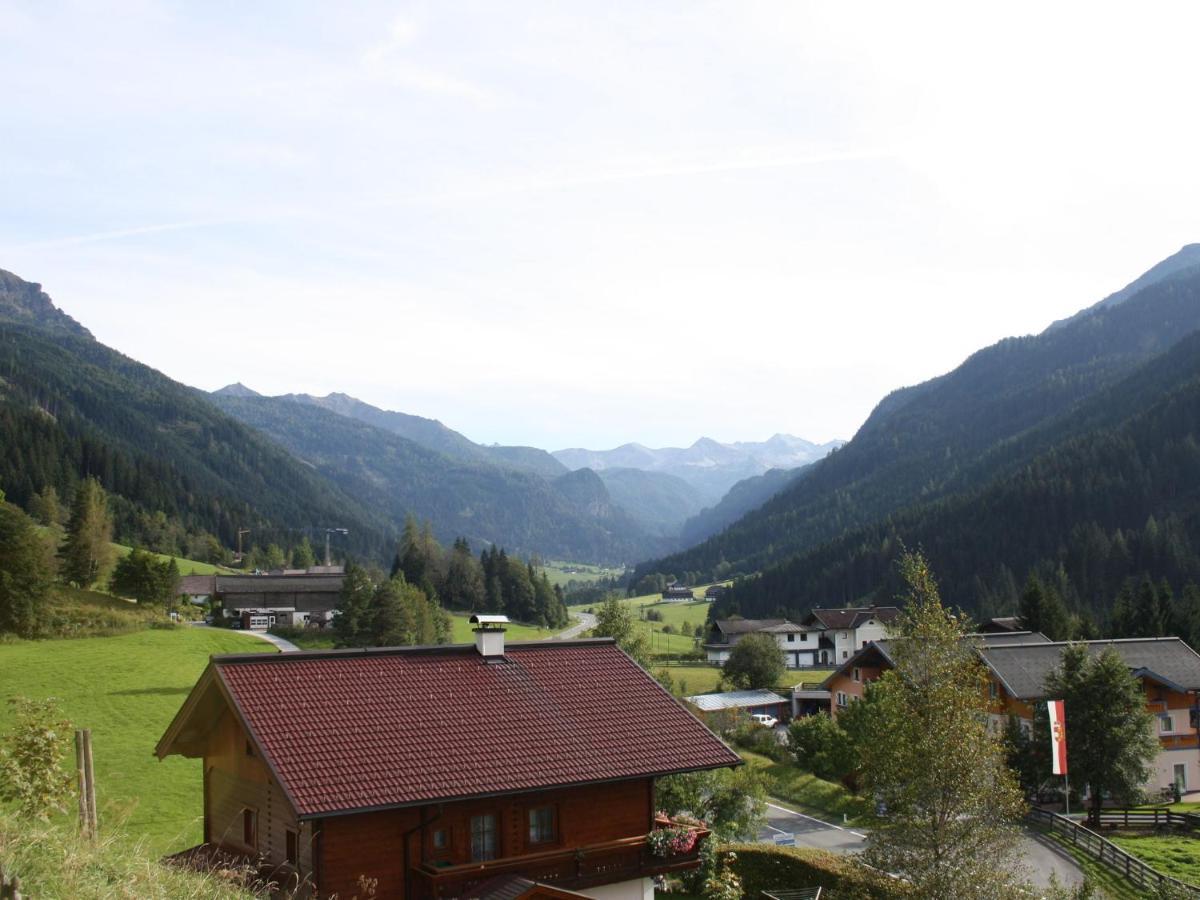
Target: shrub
pixel 31 761
pixel 762 867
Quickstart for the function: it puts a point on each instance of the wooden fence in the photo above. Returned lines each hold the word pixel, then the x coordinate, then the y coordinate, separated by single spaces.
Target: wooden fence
pixel 10 886
pixel 1149 818
pixel 1108 853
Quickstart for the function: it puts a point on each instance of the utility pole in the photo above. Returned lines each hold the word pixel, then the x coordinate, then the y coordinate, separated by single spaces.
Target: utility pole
pixel 241 531
pixel 328 532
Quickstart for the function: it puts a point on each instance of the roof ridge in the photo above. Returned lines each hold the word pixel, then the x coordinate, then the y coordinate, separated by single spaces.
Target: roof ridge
pixel 1087 643
pixel 418 649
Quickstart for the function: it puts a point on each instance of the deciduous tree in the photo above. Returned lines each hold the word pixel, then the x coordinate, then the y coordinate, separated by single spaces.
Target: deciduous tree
pixel 952 804
pixel 756 661
pixel 1110 738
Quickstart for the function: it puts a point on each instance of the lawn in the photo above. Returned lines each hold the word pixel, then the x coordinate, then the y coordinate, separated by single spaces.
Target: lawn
pixel 463 632
pixel 561 572
pixel 127 689
pixel 1177 855
pixel 807 793
pixel 186 566
pixel 680 616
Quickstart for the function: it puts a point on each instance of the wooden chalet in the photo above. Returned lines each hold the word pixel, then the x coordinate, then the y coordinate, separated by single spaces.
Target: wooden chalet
pixel 1018 663
pixel 452 771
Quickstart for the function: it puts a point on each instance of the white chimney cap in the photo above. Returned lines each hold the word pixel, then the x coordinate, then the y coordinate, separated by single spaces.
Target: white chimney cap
pixel 478 619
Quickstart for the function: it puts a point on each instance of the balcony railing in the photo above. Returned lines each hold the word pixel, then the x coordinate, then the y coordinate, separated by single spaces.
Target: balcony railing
pixel 572 869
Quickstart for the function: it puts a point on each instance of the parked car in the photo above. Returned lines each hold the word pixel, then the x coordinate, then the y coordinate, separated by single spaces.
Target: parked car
pixel 765 720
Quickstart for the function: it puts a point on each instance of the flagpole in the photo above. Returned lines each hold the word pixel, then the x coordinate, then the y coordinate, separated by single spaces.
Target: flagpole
pixel 1067 794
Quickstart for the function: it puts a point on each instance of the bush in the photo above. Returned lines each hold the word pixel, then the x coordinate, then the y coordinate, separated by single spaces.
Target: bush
pixel 749 735
pixel 762 867
pixel 31 760
pixel 821 746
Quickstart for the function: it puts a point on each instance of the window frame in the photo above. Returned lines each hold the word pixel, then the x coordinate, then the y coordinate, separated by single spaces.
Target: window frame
pixel 856 673
pixel 494 832
pixel 552 836
pixel 250 827
pixel 291 847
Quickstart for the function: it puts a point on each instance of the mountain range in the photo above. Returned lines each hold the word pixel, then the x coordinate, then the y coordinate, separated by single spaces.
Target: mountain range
pixel 1034 454
pixel 184 467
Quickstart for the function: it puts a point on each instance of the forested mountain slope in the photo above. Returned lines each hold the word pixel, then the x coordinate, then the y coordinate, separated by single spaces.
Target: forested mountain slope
pixel 661 502
pixel 950 433
pixel 434 435
pixel 1110 492
pixel 570 518
pixel 176 467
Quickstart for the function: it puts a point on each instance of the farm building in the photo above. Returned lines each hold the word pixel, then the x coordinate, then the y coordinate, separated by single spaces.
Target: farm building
pixel 747 702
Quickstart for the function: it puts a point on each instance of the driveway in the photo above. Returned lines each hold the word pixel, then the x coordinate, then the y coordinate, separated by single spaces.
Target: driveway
pixel 285 646
pixel 1041 856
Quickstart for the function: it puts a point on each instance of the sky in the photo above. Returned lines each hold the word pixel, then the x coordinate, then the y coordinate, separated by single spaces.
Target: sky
pixel 581 224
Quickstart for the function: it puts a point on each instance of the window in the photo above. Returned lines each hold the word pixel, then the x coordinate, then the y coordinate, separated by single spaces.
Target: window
pixel 1164 724
pixel 249 749
pixel 856 674
pixel 441 840
pixel 293 848
pixel 249 828
pixel 1181 777
pixel 841 698
pixel 483 837
pixel 993 692
pixel 845 653
pixel 791 638
pixel 541 825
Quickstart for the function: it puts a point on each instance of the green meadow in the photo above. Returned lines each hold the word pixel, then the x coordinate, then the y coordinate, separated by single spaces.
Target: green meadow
pixel 126 689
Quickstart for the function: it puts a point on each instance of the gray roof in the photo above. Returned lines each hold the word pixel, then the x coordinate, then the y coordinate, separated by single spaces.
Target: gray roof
pixel 1001 638
pixel 1023 668
pixel 734 700
pixel 196 585
pixel 279 584
pixel 746 626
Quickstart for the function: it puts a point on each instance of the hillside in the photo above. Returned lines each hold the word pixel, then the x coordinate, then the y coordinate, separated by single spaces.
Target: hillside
pixel 432 434
pixel 70 407
pixel 570 518
pixel 1110 492
pixel 709 466
pixel 955 433
pixel 748 494
pixel 660 502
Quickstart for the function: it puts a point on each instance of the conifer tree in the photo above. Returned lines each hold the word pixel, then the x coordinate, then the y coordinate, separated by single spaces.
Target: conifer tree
pixel 25 574
pixel 87 550
pixel 302 555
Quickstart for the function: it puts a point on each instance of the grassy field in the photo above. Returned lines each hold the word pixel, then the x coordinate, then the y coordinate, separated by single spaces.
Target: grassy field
pixel 462 633
pixel 186 566
pixel 806 792
pixel 561 572
pixel 703 679
pixel 127 689
pixel 1177 855
pixel 679 616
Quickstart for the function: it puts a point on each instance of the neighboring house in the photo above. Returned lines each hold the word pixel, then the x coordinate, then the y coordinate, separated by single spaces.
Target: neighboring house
pixel 715 592
pixel 798 644
pixel 824 637
pixel 676 592
pixel 849 680
pixel 1018 663
pixel 453 771
pixel 294 599
pixel 1000 625
pixel 846 630
pixel 748 702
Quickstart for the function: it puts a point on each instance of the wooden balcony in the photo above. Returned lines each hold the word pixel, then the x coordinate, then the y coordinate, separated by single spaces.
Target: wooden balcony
pixel 573 869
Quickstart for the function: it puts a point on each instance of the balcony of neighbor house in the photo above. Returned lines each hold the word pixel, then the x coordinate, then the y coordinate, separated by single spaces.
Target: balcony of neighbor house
pixel 572 868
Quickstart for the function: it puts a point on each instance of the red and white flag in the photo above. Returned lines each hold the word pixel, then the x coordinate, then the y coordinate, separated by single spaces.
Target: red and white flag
pixel 1058 736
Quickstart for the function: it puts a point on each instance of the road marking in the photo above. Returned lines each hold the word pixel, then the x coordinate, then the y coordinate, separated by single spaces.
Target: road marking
pixel 813 819
pixel 773 828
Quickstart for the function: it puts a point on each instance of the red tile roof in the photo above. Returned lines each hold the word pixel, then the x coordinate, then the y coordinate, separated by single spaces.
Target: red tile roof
pixel 361 729
pixel 851 617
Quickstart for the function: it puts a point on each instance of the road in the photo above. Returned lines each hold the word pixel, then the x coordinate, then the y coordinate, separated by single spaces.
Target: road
pixel 587 621
pixel 1041 855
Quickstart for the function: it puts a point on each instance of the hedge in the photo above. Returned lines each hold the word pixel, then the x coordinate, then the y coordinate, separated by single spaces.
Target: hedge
pixel 763 867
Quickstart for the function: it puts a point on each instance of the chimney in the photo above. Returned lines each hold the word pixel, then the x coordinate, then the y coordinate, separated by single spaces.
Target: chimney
pixel 489 635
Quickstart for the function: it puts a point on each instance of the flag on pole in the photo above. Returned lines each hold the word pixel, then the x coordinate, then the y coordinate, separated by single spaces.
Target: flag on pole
pixel 1058 736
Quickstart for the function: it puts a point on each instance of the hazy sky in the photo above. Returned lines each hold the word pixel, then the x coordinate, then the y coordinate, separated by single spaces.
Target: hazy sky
pixel 580 224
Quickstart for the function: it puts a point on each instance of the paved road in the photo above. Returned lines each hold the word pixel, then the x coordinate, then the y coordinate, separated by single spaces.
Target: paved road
pixel 1041 855
pixel 587 621
pixel 285 646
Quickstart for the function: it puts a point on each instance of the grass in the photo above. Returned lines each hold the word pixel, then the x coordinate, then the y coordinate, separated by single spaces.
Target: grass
pixel 53 861
pixel 186 566
pixel 1177 855
pixel 462 632
pixel 127 689
pixel 806 792
pixel 704 679
pixel 1114 885
pixel 78 613
pixel 561 572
